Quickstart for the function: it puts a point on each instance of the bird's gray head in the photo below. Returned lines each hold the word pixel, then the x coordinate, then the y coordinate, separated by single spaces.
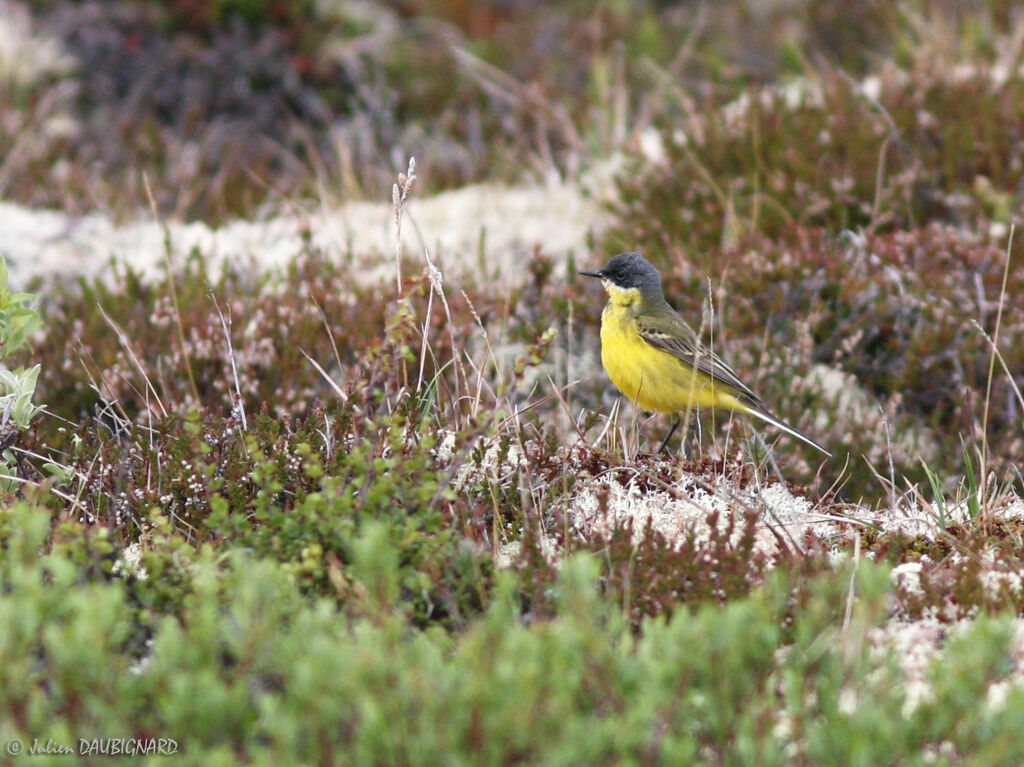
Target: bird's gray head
pixel 630 270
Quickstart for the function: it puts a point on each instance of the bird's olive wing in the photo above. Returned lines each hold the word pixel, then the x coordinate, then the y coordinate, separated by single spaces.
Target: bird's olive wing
pixel 673 335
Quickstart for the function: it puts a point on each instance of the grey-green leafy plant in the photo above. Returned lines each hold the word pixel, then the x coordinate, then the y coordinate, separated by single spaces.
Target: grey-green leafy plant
pixel 18 321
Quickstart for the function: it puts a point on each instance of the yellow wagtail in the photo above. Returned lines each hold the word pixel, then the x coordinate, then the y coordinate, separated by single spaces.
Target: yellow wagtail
pixel 657 360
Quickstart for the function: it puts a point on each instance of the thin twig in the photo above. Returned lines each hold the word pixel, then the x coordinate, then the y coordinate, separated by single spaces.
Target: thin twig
pixel 123 339
pixel 991 372
pixel 226 325
pixel 172 285
pixel 399 194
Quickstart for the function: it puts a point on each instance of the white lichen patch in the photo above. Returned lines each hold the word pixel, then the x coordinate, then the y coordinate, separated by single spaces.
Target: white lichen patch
pixel 445 449
pixel 482 230
pixel 914 645
pixel 26 57
pixel 917 646
pixel 912 519
pixel 907 577
pixel 129 563
pixel 498 464
pixel 684 511
pixel 508 554
pixel 997 582
pixel 603 505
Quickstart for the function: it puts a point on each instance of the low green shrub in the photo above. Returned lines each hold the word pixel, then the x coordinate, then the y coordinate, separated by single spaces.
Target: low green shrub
pixel 251 669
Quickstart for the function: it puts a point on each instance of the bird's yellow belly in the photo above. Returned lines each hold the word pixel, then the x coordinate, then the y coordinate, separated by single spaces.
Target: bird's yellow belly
pixel 654 379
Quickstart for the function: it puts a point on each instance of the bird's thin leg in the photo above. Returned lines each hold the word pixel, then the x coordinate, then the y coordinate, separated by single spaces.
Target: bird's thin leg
pixel 675 425
pixel 769 457
pixel 696 436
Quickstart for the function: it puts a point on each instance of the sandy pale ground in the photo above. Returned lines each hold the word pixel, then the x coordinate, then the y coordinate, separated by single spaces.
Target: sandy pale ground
pixel 484 231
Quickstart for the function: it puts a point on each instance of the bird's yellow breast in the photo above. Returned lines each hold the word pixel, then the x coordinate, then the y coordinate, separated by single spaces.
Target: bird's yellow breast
pixel 652 378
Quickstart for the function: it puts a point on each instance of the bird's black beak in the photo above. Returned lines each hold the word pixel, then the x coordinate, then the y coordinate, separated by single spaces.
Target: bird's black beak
pixel 592 274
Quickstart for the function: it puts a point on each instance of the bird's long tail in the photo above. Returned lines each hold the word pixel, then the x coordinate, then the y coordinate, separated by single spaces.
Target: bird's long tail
pixel 778 423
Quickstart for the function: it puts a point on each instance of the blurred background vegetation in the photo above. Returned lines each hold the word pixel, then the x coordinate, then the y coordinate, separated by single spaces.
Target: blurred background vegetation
pixel 228 105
